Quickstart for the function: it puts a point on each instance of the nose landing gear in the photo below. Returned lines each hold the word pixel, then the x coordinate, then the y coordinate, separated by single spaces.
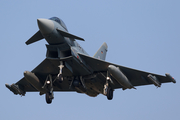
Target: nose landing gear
pixel 59 76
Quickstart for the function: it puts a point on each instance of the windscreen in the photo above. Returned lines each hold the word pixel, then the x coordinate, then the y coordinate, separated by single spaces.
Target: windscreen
pixel 58 20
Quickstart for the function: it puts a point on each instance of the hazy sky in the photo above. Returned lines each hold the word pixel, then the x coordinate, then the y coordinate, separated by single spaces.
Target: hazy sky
pixel 141 34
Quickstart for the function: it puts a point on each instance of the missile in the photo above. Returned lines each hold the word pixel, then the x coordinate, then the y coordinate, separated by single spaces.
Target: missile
pixel 15 89
pixel 34 81
pixel 170 77
pixel 154 80
pixel 119 76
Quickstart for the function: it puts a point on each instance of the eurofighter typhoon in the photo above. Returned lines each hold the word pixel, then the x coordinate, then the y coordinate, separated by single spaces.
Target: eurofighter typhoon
pixel 67 67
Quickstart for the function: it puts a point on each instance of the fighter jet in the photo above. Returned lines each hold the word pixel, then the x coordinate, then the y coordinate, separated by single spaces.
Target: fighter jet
pixel 68 67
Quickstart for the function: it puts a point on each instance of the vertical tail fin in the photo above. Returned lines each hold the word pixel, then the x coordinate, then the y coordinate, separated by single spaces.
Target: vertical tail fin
pixel 101 53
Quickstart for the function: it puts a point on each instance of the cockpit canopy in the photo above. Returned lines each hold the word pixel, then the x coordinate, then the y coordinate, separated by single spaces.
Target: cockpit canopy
pixel 58 20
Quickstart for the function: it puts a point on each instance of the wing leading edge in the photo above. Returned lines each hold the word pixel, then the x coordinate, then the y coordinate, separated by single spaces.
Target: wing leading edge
pixel 46 67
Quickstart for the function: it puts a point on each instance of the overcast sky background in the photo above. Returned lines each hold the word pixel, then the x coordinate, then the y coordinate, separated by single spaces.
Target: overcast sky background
pixel 141 34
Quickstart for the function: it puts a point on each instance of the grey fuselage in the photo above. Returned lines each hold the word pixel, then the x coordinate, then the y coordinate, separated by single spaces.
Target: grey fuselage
pixel 61 47
pixel 53 37
pixel 68 67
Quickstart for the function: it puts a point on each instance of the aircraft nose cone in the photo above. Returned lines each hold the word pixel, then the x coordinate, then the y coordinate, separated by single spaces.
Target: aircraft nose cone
pixel 46 26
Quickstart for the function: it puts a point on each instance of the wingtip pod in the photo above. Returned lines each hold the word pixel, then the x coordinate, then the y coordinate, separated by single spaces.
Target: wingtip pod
pixel 11 89
pixel 170 77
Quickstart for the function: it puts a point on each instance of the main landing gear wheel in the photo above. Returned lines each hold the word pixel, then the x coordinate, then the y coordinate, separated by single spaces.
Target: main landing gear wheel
pixel 109 93
pixel 48 98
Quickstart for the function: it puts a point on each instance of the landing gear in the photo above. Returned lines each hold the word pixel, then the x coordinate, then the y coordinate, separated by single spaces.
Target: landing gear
pixel 109 93
pixel 48 85
pixel 59 76
pixel 49 97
